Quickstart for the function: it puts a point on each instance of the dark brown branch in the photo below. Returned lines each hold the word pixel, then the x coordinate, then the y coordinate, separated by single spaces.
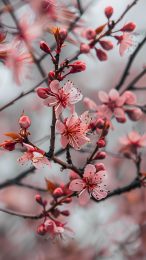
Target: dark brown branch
pixel 80 7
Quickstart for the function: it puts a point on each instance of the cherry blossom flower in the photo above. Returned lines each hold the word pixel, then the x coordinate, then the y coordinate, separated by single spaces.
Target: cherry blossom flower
pixel 54 228
pixel 125 41
pixel 30 30
pixel 115 105
pixel 90 185
pixel 36 156
pixel 73 130
pixel 18 59
pixel 133 141
pixel 60 97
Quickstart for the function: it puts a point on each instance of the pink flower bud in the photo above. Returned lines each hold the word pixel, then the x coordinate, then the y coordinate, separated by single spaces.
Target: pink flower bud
pixel 101 143
pixel 41 230
pixel 90 34
pixel 44 47
pixel 108 11
pixel 77 66
pixel 100 123
pixel 24 122
pixel 63 34
pixel 129 27
pixel 101 55
pixel 67 200
pixel 38 199
pixel 119 38
pixel 42 92
pixel 99 167
pixel 55 213
pixel 134 114
pixel 106 45
pixel 51 75
pixel 84 48
pixel 100 155
pixel 58 192
pixel 65 213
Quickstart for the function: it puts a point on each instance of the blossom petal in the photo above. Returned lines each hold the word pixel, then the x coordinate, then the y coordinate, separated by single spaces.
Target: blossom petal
pixel 89 171
pixel 64 141
pixel 54 86
pixel 103 96
pixel 90 104
pixel 84 197
pixel 113 94
pixel 50 101
pixel 99 194
pixel 77 185
pixel 60 127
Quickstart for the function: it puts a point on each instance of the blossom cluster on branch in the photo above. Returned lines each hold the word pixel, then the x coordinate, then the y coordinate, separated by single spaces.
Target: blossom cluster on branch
pixel 78 132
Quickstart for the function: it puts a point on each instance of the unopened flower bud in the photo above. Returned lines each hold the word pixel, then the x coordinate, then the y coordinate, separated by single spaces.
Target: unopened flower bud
pixel 100 123
pixel 67 200
pixel 38 199
pixel 55 213
pixel 101 143
pixel 100 155
pixel 134 114
pixel 106 45
pixel 84 48
pixel 42 92
pixel 24 122
pixel 90 34
pixel 58 192
pixel 101 55
pixel 77 66
pixel 129 27
pixel 63 34
pixel 51 75
pixel 108 11
pixel 41 230
pixel 44 47
pixel 65 213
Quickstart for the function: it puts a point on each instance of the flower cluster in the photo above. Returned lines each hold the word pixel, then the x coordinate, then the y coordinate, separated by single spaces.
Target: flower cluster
pixel 116 105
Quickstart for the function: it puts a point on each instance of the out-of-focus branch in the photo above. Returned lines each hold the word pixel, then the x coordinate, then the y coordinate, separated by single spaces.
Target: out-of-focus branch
pixel 80 6
pixel 136 79
pixel 22 94
pixel 16 180
pixel 129 64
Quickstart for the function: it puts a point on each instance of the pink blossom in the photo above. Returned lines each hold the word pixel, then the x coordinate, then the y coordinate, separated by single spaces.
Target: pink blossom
pixel 112 105
pixel 125 41
pixel 133 141
pixel 115 105
pixel 18 59
pixel 29 30
pixel 36 156
pixel 73 130
pixel 90 185
pixel 55 228
pixel 60 97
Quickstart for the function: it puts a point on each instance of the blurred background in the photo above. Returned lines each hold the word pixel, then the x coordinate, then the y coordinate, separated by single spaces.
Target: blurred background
pixel 113 229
